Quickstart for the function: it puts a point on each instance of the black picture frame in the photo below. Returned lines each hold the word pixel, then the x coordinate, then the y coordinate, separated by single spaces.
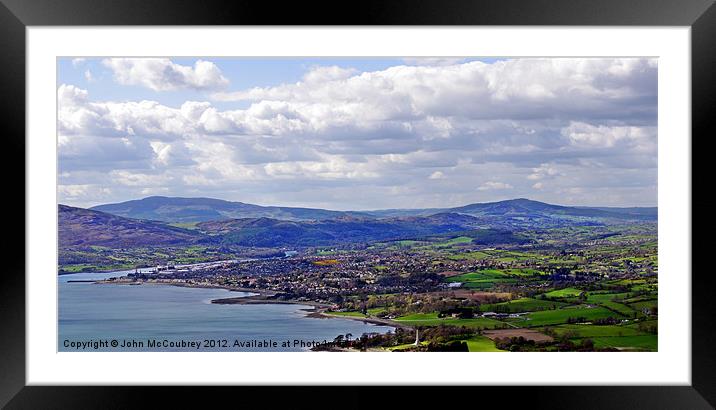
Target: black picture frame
pixel 16 15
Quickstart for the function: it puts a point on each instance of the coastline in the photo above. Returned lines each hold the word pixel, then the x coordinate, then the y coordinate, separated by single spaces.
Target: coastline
pixel 261 297
pixel 318 311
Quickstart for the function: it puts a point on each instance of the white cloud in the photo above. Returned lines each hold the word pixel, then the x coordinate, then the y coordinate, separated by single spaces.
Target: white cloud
pixel 73 190
pixel 216 160
pixel 162 150
pixel 155 191
pixel 69 95
pixel 78 61
pixel 543 171
pixel 129 178
pixel 602 136
pixel 492 185
pixel 81 193
pixel 319 74
pixel 428 103
pixel 532 127
pixel 161 74
pixel 198 180
pixel 330 167
pixel 475 90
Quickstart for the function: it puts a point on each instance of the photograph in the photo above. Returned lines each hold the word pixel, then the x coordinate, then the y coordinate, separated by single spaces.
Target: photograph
pixel 357 204
pixel 211 200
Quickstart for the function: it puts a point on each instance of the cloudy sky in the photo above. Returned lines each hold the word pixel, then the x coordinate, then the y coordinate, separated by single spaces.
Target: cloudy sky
pixel 358 133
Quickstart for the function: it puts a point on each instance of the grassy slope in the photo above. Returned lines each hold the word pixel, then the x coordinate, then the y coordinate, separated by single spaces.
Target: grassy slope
pixel 481 344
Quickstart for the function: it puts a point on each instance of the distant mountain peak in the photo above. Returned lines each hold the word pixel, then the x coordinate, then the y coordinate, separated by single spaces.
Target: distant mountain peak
pixel 144 222
pixel 181 209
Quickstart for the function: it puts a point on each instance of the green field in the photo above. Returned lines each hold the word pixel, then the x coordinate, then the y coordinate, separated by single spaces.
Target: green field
pixel 591 331
pixel 600 297
pixel 521 305
pixel 643 323
pixel 475 276
pixel 642 342
pixel 646 287
pixel 564 293
pixel 612 301
pixel 512 256
pixel 645 304
pixel 553 317
pixel 619 308
pixel 523 272
pixel 483 279
pixel 457 241
pixel 495 254
pixel 481 344
pixel 407 243
pixel 353 313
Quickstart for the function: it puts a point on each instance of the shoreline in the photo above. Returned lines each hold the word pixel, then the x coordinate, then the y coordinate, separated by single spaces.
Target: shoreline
pixel 261 297
pixel 318 311
pixel 263 300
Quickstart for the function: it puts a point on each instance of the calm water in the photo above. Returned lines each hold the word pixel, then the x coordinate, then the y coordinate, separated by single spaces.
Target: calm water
pixel 92 313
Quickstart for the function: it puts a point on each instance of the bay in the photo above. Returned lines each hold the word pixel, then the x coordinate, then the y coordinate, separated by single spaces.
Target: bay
pixel 177 317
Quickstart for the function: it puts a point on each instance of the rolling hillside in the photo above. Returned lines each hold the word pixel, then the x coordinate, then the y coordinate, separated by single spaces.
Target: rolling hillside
pixel 266 232
pixel 515 212
pixel 84 227
pixel 145 222
pixel 159 208
pixel 527 210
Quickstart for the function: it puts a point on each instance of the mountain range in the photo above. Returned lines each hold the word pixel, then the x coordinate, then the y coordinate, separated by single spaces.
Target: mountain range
pixel 170 209
pixel 162 221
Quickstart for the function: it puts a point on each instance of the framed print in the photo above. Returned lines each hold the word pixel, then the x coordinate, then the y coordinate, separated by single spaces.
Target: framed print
pixel 480 195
